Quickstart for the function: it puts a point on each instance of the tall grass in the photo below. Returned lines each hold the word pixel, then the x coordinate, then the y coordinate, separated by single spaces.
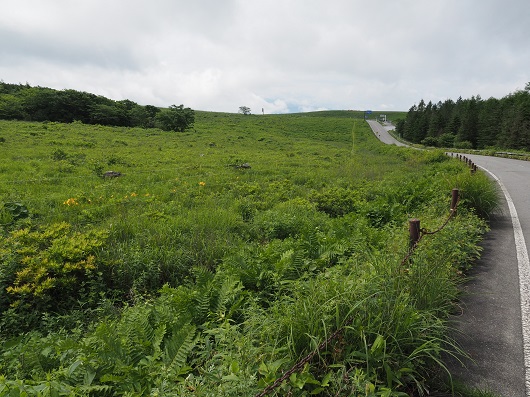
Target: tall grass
pixel 228 275
pixel 479 193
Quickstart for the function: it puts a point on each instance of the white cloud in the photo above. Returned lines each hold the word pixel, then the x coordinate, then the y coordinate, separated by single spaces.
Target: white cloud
pixel 279 55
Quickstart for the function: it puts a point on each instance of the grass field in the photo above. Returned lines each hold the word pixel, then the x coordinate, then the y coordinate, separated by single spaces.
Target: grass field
pixel 222 256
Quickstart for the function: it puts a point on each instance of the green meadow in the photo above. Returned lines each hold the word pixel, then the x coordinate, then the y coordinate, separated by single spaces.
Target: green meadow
pixel 223 257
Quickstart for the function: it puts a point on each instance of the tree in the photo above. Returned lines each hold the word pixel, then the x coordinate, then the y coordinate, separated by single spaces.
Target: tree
pixel 468 129
pixel 107 114
pixel 244 109
pixel 23 102
pixel 11 107
pixel 489 123
pixel 175 118
pixel 436 123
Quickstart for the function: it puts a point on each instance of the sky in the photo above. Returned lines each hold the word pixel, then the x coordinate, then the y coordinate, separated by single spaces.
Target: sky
pixel 273 56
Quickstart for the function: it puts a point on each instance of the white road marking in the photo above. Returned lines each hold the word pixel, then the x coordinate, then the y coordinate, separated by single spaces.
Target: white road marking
pixel 524 278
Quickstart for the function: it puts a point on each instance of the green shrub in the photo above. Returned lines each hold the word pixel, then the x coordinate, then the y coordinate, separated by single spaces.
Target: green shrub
pixel 287 219
pixel 463 145
pixel 431 141
pixel 49 268
pixel 59 154
pixel 12 212
pixel 447 140
pixel 337 201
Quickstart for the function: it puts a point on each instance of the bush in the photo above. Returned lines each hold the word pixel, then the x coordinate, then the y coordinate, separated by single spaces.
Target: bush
pixel 176 118
pixel 337 201
pixel 49 269
pixel 463 145
pixel 288 219
pixel 447 140
pixel 431 141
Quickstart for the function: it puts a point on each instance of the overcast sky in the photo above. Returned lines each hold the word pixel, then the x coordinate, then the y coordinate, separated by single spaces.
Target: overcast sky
pixel 277 55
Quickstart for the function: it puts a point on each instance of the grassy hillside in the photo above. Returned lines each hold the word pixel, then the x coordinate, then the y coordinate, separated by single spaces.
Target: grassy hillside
pixel 222 256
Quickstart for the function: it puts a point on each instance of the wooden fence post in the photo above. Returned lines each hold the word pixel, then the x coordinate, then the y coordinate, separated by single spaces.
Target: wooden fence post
pixel 414 232
pixel 454 199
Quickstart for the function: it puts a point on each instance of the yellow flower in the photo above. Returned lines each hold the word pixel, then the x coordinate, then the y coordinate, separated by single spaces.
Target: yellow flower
pixel 202 183
pixel 133 194
pixel 71 201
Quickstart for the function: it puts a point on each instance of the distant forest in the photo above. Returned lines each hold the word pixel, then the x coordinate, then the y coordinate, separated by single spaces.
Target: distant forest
pixel 467 123
pixel 471 123
pixel 24 102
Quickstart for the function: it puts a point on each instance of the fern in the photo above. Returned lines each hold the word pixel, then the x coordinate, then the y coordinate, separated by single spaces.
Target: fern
pixel 139 333
pixel 330 253
pixel 36 355
pixel 292 264
pixel 95 390
pixel 174 306
pixel 227 297
pixel 312 242
pixel 177 348
pixel 202 294
pixel 106 343
pixel 299 262
pixel 202 305
pixel 158 339
pixel 248 267
pixel 137 342
pixel 203 277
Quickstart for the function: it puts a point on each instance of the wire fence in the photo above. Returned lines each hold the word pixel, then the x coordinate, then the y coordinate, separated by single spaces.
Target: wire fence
pixel 416 233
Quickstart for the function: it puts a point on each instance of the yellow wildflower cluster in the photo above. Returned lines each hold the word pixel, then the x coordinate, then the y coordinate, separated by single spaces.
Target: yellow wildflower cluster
pixel 71 201
pixel 202 183
pixel 133 194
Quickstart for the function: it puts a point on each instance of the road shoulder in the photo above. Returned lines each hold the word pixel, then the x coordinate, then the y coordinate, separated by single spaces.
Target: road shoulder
pixel 489 325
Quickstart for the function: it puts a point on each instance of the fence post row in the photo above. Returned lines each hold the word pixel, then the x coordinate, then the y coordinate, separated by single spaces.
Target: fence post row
pixel 472 165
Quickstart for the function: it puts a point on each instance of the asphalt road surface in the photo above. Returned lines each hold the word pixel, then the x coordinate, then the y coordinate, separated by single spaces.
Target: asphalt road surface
pixel 495 321
pixel 494 324
pixel 381 131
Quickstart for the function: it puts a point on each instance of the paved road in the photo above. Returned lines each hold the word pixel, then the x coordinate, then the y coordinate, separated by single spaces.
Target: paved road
pixel 495 316
pixel 382 133
pixel 494 324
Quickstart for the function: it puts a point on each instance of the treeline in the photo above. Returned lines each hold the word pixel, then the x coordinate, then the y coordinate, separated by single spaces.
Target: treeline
pixel 471 123
pixel 24 102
